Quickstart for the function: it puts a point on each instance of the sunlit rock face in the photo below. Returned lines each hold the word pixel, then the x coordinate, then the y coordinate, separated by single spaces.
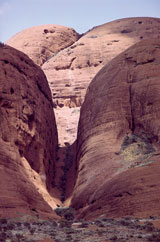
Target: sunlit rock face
pixel 43 42
pixel 71 70
pixel 70 61
pixel 118 140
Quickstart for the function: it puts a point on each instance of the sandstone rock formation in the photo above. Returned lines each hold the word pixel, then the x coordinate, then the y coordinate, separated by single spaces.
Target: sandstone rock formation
pixel 70 64
pixel 67 123
pixel 119 137
pixel 28 136
pixel 71 70
pixel 43 42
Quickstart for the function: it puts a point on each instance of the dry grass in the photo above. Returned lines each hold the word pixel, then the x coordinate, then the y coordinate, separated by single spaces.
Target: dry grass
pixel 101 229
pixel 135 148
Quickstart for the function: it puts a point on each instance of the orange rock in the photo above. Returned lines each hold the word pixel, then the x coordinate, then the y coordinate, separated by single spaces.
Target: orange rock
pixel 28 137
pixel 43 42
pixel 118 137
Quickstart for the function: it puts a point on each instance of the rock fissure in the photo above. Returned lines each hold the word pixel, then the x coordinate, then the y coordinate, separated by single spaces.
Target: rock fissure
pixel 43 92
pixel 132 121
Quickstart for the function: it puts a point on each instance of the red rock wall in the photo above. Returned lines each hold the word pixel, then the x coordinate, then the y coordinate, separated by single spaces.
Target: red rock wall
pixel 28 134
pixel 118 137
pixel 71 70
pixel 70 61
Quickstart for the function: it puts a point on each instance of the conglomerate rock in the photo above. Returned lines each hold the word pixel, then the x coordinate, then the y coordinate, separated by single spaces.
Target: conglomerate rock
pixel 119 137
pixel 28 136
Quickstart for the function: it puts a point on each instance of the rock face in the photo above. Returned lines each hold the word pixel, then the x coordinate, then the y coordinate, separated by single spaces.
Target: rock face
pixel 43 42
pixel 70 61
pixel 28 136
pixel 71 70
pixel 67 123
pixel 119 137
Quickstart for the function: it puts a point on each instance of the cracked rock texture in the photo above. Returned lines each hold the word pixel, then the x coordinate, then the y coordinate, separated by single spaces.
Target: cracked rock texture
pixel 118 137
pixel 28 136
pixel 43 42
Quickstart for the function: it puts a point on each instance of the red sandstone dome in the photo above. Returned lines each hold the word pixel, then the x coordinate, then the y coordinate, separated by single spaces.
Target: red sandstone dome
pixel 71 70
pixel 43 42
pixel 28 137
pixel 119 137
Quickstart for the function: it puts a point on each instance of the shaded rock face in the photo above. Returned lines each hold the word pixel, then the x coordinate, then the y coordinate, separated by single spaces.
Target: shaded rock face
pixel 28 135
pixel 71 70
pixel 118 137
pixel 43 42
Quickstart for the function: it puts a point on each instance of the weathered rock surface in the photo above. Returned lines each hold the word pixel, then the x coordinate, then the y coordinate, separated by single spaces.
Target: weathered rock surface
pixel 28 136
pixel 71 70
pixel 67 123
pixel 119 137
pixel 43 42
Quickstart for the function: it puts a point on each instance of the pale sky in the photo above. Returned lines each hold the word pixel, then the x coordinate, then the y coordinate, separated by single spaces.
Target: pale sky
pixel 16 15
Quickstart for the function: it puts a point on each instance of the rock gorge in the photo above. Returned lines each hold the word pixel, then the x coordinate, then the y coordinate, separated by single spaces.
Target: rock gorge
pixel 114 163
pixel 69 70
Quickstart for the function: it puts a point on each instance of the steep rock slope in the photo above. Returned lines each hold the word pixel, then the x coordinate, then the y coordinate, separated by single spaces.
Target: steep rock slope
pixel 28 136
pixel 118 137
pixel 71 70
pixel 43 42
